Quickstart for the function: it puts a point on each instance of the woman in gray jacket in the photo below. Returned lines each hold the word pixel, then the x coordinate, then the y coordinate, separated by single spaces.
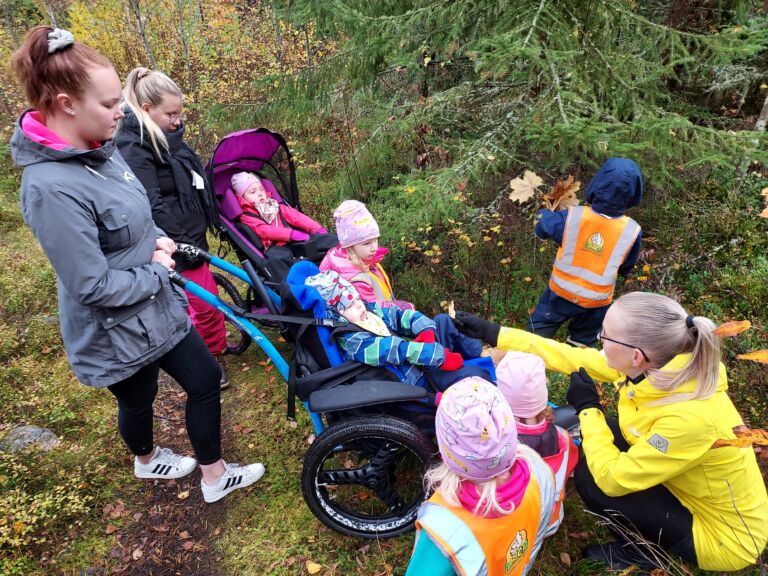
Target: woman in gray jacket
pixel 122 320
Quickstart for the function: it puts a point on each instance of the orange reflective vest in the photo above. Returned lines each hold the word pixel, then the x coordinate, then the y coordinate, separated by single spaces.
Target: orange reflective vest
pixel 587 263
pixel 500 546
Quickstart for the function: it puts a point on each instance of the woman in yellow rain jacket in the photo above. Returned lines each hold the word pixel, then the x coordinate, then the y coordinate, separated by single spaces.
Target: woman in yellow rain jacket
pixel 655 472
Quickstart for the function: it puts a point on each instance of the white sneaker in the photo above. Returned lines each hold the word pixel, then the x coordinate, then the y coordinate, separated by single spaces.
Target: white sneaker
pixel 165 465
pixel 234 477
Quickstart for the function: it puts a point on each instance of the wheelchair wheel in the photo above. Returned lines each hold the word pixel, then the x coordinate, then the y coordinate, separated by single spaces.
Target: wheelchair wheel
pixel 237 340
pixel 363 477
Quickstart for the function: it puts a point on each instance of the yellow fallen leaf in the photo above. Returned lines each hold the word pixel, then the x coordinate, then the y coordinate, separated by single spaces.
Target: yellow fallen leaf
pixel 732 328
pixel 183 495
pixel 313 567
pixel 757 356
pixel 764 191
pixel 523 188
pixel 565 558
pixel 764 213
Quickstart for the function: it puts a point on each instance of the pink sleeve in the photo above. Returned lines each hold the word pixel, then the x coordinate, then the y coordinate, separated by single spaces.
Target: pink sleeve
pixel 366 292
pixel 298 219
pixel 265 231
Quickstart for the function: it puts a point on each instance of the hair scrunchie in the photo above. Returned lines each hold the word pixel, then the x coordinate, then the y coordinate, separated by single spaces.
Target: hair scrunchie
pixel 143 73
pixel 59 39
pixel 689 322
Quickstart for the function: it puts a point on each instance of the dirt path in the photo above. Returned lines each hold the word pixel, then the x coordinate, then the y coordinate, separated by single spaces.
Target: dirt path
pixel 166 529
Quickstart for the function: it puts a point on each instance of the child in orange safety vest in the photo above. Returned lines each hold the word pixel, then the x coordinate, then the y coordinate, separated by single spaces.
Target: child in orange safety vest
pixel 494 497
pixel 522 379
pixel 597 243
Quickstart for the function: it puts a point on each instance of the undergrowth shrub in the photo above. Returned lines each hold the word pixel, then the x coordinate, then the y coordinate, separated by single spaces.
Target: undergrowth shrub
pixel 37 499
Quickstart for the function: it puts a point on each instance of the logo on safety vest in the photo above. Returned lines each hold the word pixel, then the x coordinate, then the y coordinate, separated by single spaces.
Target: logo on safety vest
pixel 595 243
pixel 516 550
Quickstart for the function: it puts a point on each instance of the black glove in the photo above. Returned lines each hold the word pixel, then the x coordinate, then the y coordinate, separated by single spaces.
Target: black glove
pixel 582 393
pixel 475 327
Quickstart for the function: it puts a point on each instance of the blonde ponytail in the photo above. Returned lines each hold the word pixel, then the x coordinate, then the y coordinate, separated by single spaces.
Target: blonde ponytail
pixel 662 328
pixel 145 86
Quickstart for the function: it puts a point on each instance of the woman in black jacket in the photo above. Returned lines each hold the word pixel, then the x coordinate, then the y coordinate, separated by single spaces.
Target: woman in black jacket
pixel 151 139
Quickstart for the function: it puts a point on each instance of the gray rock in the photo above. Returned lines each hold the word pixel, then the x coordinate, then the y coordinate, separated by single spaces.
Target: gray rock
pixel 23 437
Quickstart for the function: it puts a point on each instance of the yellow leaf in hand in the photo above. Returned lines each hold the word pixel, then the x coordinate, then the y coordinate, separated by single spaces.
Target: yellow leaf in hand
pixel 523 188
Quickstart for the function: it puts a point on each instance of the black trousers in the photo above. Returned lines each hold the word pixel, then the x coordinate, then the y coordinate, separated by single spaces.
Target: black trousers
pixel 191 364
pixel 655 513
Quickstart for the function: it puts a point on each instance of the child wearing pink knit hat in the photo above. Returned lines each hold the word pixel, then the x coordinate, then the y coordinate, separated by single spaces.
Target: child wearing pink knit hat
pixel 357 257
pixel 273 222
pixel 522 379
pixel 493 497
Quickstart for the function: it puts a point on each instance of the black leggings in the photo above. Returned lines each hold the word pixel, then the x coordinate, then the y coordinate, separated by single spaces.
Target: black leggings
pixel 655 513
pixel 191 364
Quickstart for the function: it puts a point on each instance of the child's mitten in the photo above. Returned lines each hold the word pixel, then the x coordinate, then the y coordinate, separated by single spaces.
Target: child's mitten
pixel 322 230
pixel 426 336
pixel 299 236
pixel 453 361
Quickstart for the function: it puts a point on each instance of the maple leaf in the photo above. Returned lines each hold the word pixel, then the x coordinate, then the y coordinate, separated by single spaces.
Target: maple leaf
pixel 562 195
pixel 756 356
pixel 732 328
pixel 523 188
pixel 745 437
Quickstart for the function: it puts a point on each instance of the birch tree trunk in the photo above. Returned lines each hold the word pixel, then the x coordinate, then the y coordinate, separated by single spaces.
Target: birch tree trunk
pixel 185 45
pixel 136 9
pixel 8 21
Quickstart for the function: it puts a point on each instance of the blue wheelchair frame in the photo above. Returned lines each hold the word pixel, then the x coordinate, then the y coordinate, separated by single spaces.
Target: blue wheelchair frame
pixel 248 275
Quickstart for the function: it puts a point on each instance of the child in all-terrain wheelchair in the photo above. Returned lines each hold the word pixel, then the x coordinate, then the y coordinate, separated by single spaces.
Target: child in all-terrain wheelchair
pixel 363 475
pixel 379 336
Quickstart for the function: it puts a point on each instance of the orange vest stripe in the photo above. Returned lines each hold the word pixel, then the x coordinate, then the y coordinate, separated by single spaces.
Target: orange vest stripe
pixel 588 260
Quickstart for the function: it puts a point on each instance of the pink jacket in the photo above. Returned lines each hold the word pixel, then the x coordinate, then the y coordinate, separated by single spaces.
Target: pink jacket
pixel 336 259
pixel 277 232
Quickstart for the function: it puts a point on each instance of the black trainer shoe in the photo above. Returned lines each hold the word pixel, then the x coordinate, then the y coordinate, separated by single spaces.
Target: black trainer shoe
pixel 619 555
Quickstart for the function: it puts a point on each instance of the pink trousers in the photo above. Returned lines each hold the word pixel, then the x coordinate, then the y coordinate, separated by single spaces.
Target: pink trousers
pixel 208 321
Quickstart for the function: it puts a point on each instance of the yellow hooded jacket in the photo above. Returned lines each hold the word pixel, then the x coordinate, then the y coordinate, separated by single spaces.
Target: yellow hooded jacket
pixel 670 444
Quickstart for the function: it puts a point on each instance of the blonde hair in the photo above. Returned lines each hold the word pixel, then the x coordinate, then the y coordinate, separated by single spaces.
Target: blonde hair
pixel 356 261
pixel 442 478
pixel 659 327
pixel 145 86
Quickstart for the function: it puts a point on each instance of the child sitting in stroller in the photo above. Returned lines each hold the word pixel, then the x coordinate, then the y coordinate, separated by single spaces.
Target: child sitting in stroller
pixel 376 336
pixel 274 222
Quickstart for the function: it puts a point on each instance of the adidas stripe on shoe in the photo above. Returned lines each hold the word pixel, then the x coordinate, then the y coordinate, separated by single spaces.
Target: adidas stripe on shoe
pixel 234 477
pixel 165 465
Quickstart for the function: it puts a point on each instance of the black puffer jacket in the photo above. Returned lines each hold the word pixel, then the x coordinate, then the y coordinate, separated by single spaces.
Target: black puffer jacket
pixel 183 211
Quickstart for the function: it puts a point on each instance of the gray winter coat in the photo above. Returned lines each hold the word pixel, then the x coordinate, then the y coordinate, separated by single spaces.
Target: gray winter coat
pixel 118 310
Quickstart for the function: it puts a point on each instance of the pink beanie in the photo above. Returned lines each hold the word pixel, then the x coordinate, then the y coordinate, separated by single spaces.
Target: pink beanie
pixel 354 224
pixel 242 181
pixel 523 382
pixel 475 429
